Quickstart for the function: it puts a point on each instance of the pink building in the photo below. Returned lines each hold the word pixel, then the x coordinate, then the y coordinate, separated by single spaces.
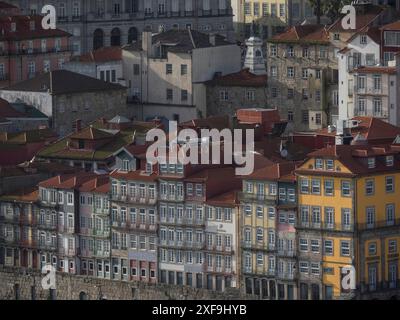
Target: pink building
pixel 26 49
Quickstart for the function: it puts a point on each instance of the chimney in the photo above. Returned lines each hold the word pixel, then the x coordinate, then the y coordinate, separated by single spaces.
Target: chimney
pixel 147 36
pixel 78 125
pixel 213 39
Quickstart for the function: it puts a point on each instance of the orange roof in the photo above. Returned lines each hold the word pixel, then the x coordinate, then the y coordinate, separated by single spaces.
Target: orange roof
pixel 228 199
pixel 104 54
pixel 30 195
pixel 391 26
pixel 70 181
pixel 278 171
pixel 138 175
pixel 370 128
pixel 303 33
pixel 99 184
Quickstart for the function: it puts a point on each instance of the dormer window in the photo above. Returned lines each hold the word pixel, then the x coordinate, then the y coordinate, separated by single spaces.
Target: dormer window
pixel 389 161
pixel 163 168
pixel 371 163
pixel 125 165
pixel 319 164
pixel 149 168
pixel 363 39
pixel 329 164
pixel 336 36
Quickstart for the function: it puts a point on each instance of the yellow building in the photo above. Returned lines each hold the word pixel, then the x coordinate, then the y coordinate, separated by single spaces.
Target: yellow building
pixel 347 217
pixel 268 16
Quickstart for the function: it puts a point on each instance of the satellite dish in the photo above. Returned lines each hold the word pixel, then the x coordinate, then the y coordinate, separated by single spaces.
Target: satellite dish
pixel 284 153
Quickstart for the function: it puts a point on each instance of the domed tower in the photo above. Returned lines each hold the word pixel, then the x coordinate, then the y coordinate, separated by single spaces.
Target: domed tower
pixel 254 60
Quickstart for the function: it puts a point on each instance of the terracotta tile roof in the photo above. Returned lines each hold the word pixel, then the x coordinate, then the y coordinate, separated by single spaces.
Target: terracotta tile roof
pixel 372 12
pixel 311 33
pixel 244 78
pixel 70 181
pixel 375 69
pixel 99 184
pixel 64 82
pixel 275 172
pixel 351 155
pixel 23 28
pixel 91 133
pixel 138 175
pixel 394 26
pixel 370 128
pixel 210 173
pixel 228 199
pixel 104 54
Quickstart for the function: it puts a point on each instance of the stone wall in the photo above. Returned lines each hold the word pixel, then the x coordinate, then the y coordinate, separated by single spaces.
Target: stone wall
pixel 15 282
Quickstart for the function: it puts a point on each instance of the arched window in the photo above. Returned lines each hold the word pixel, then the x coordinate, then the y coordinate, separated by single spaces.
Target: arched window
pixel 83 296
pixel 132 35
pixel 98 39
pixel 116 37
pixel 258 53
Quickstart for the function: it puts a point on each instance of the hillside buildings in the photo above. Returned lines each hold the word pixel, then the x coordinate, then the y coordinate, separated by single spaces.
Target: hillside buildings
pixel 94 24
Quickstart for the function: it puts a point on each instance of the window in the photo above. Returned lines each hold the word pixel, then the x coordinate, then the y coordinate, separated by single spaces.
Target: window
pixel 345 248
pixel 260 235
pixel 329 217
pixel 304 186
pixel 328 247
pixel 290 72
pixel 274 71
pixel 247 209
pixel 390 214
pixel 316 215
pixel 250 95
pixel 370 217
pixel 305 52
pixel 274 92
pixel 223 95
pixel 290 51
pixel 184 69
pixel 291 195
pixel 314 246
pixel 260 211
pixel 389 184
pixel 168 68
pixel 304 116
pixel 273 51
pixel 319 164
pixel 372 248
pixel 345 188
pixel 282 194
pixel 392 246
pixel 170 94
pixel 315 268
pixel 303 245
pixel 315 186
pixel 363 39
pixel 346 218
pixel 271 212
pixel 389 161
pixel 329 187
pixel 369 187
pixel 304 267
pixel 304 73
pixel 184 95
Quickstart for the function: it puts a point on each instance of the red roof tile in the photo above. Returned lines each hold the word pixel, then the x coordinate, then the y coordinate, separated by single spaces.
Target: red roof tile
pixel 99 184
pixel 228 199
pixel 70 181
pixel 138 175
pixel 7 111
pixel 391 26
pixel 278 171
pixel 91 133
pixel 304 33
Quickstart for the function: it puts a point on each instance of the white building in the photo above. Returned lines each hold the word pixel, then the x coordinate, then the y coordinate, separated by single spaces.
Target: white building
pixel 166 73
pixel 366 87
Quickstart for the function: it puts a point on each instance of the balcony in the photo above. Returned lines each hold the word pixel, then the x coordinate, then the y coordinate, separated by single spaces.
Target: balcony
pixel 378 225
pixel 285 276
pixel 101 211
pixel 47 247
pixel 47 226
pixel 287 253
pixel 67 252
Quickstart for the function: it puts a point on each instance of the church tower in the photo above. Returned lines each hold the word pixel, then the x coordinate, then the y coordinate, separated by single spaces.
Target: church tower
pixel 254 56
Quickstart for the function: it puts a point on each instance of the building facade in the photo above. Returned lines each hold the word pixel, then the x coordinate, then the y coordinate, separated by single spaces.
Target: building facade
pixel 303 77
pixel 268 234
pixel 94 24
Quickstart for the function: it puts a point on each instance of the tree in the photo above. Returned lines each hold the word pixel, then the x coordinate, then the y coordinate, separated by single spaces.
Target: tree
pixel 330 8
